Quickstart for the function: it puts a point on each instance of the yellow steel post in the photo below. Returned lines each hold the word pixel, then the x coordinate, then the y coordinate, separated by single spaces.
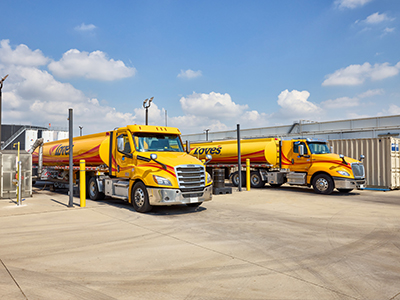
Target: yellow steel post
pixel 248 174
pixel 82 182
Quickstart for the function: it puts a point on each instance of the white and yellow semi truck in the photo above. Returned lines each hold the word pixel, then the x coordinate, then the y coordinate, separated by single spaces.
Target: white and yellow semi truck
pixel 306 162
pixel 144 165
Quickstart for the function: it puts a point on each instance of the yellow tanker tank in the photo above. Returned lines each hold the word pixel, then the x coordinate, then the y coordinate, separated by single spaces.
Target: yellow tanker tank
pixel 86 147
pixel 263 151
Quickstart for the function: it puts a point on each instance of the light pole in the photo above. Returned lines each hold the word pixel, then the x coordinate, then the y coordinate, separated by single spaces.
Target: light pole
pixel 206 131
pixel 146 106
pixel 80 130
pixel 1 86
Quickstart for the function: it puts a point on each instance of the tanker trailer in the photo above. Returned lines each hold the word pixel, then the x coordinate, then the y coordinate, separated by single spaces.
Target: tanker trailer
pixel 144 165
pixel 305 162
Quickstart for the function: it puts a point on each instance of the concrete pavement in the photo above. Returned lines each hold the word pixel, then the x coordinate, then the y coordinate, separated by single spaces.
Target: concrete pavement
pixel 286 243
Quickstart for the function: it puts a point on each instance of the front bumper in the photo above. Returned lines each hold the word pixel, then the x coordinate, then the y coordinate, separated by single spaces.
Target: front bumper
pixel 175 196
pixel 348 184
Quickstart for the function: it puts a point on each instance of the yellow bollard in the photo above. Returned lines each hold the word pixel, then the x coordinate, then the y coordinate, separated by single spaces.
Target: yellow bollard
pixel 248 174
pixel 82 182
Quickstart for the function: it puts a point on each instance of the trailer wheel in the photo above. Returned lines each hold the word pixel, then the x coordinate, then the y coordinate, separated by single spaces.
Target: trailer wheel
pixel 323 184
pixel 256 180
pixel 235 179
pixel 140 198
pixel 345 191
pixel 93 190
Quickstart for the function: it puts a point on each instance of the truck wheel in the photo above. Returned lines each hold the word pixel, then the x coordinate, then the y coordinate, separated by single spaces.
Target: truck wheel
pixel 93 190
pixel 323 184
pixel 345 191
pixel 140 198
pixel 255 180
pixel 235 179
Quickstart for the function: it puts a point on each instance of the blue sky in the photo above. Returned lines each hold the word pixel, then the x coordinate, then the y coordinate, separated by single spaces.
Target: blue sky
pixel 210 64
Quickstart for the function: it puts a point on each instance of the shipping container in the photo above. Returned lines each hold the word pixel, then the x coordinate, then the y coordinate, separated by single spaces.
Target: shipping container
pixel 30 138
pixel 382 159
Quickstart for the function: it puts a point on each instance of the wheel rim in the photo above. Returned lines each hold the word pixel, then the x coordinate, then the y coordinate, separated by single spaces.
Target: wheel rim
pixel 92 189
pixel 139 197
pixel 255 180
pixel 322 184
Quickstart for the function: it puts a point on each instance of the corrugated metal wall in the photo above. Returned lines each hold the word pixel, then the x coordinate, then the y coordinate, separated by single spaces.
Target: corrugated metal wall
pixel 382 159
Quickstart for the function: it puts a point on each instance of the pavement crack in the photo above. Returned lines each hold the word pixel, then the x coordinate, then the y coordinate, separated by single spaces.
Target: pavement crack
pixel 12 277
pixel 395 296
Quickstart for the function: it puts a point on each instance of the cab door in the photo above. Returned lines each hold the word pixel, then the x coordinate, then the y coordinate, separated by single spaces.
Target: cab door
pixel 125 162
pixel 301 162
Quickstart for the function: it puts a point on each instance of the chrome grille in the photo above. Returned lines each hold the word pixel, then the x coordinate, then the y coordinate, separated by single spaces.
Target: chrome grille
pixel 358 170
pixel 191 178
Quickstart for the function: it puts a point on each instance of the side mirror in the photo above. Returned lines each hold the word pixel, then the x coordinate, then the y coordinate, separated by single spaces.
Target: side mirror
pixel 187 147
pixel 362 157
pixel 301 150
pixel 209 158
pixel 153 156
pixel 342 157
pixel 331 149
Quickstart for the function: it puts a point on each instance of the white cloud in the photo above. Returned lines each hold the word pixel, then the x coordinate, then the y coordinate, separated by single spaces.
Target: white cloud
pixel 350 3
pixel 342 102
pixel 346 102
pixel 211 105
pixel 94 65
pixel 295 104
pixel 377 18
pixel 22 55
pixel 84 27
pixel 34 96
pixel 357 74
pixel 189 74
pixel 387 30
pixel 371 93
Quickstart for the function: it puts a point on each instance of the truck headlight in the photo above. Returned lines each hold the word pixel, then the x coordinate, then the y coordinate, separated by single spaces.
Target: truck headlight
pixel 343 173
pixel 209 179
pixel 161 180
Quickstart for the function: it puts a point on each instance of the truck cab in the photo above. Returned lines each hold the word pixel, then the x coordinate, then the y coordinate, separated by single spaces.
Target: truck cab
pixel 313 164
pixel 148 166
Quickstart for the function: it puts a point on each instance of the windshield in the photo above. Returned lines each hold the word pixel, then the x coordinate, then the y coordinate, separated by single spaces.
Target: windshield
pixel 318 148
pixel 145 142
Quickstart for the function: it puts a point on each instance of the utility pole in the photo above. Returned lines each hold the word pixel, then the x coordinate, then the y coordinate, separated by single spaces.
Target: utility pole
pixel 146 106
pixel 1 86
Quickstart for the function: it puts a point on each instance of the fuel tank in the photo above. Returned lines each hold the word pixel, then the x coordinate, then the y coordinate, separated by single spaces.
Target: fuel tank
pixel 86 147
pixel 263 151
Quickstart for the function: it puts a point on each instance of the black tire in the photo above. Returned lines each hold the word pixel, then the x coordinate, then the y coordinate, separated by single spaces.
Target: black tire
pixel 140 198
pixel 235 179
pixel 194 204
pixel 344 191
pixel 256 180
pixel 275 185
pixel 93 190
pixel 323 184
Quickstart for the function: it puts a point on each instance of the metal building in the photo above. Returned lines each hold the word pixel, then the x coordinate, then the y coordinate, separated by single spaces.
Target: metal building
pixel 26 135
pixel 332 130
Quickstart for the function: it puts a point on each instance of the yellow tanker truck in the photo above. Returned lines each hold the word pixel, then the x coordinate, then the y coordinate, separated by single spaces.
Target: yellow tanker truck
pixel 306 162
pixel 144 165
